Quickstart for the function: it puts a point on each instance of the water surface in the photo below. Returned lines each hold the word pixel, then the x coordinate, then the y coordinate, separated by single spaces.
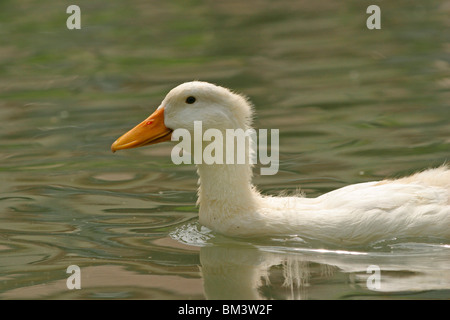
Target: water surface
pixel 351 104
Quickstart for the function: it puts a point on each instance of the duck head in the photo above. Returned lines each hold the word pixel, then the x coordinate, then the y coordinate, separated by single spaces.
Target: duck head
pixel 216 107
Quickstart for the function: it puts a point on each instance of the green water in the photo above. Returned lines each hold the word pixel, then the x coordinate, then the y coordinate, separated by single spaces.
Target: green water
pixel 351 105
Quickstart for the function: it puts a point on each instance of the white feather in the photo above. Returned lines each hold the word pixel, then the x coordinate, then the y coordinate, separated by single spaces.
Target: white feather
pixel 418 205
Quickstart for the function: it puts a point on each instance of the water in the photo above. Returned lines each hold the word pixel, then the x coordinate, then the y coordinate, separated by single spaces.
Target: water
pixel 351 104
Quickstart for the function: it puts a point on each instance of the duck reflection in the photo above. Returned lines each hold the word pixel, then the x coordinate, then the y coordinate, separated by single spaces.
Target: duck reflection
pixel 257 272
pixel 249 274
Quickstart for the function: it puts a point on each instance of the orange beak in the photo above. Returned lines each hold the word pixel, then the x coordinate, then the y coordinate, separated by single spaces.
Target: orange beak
pixel 150 131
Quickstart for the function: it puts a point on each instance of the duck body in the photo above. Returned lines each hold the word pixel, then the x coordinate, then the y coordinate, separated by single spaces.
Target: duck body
pixel 351 215
pixel 414 206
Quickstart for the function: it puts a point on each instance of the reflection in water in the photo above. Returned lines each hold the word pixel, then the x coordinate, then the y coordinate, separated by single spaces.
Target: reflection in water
pixel 252 273
pixel 240 270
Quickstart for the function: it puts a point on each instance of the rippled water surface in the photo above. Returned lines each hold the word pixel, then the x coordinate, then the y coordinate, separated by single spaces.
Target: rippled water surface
pixel 351 105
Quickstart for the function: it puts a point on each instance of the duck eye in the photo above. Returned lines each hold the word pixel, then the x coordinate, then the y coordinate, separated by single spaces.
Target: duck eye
pixel 190 99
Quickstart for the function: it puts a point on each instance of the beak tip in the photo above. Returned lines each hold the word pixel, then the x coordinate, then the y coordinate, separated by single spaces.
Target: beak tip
pixel 113 148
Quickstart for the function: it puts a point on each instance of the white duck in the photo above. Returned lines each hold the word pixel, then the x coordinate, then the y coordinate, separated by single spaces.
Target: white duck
pixel 418 205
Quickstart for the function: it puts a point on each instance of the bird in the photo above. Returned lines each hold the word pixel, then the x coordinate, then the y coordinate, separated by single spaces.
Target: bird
pixel 230 204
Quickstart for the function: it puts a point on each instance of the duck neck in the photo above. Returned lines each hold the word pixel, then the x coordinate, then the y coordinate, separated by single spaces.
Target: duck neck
pixel 225 183
pixel 225 191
